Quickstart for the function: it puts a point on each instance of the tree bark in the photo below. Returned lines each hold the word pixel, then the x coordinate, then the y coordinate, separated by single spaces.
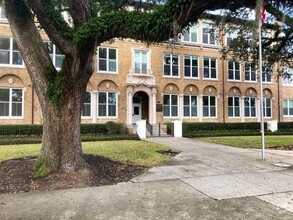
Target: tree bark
pixel 61 142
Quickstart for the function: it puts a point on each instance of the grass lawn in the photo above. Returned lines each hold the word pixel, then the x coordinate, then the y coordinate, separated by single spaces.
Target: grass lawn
pixel 129 151
pixel 251 141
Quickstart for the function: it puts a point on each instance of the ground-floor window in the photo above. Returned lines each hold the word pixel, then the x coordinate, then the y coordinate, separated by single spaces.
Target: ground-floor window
pixel 11 102
pixel 107 104
pixel 234 106
pixel 267 107
pixel 209 106
pixel 86 108
pixel 249 107
pixel 170 105
pixel 288 107
pixel 190 105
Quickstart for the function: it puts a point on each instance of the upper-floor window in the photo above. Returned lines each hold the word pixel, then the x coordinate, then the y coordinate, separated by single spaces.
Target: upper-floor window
pixel 234 106
pixel 56 56
pixel 11 102
pixel 234 72
pixel 287 76
pixel 208 34
pixel 2 10
pixel 232 35
pixel 107 60
pixel 266 73
pixel 249 107
pixel 191 66
pixel 250 74
pixel 288 107
pixel 209 106
pixel 170 103
pixel 190 35
pixel 190 106
pixel 171 65
pixel 9 52
pixel 86 107
pixel 140 62
pixel 209 68
pixel 107 104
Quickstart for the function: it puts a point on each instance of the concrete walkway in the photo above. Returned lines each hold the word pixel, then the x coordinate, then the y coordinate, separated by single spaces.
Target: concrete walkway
pixel 205 181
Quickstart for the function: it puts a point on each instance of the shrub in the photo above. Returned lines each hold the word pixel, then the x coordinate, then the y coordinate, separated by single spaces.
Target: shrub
pixel 115 128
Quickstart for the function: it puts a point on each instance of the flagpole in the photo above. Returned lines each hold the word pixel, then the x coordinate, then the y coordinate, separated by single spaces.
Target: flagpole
pixel 261 94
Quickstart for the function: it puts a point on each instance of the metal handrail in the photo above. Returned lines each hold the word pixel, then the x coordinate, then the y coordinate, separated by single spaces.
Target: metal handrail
pixel 149 127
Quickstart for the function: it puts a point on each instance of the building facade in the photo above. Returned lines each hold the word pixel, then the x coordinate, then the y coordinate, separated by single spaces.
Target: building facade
pixel 185 81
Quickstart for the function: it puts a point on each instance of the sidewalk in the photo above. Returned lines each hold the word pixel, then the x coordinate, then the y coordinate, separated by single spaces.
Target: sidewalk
pixel 205 181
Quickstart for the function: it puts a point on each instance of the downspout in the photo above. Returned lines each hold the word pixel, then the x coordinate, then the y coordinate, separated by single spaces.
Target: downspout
pixel 279 105
pixel 33 100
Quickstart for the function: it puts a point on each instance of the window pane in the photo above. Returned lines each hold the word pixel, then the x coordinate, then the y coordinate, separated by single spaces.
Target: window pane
pixel 212 101
pixel 16 109
pixel 213 112
pixel 4 95
pixel 49 46
pixel 16 95
pixel 174 111
pixel 112 110
pixel 4 109
pixel 4 57
pixel 112 54
pixel 102 65
pixel 205 111
pixel 103 52
pixel 167 111
pixel 167 70
pixel 59 60
pixel 166 100
pixel 4 43
pixel 186 100
pixel 193 111
pixel 186 111
pixel 174 99
pixel 112 98
pixel 187 71
pixel 237 111
pixel 112 66
pixel 17 58
pixel 102 97
pixel 86 110
pixel 175 71
pixel 102 110
pixel 230 111
pixel 205 100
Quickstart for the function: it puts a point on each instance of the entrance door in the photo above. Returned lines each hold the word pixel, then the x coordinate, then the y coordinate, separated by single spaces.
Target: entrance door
pixel 136 114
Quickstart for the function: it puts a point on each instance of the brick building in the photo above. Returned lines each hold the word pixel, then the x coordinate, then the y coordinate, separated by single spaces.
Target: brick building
pixel 187 81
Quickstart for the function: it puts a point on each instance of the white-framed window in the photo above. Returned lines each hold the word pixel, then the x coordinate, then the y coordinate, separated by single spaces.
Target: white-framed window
pixel 9 52
pixel 234 71
pixel 107 59
pixel 267 107
pixel 288 107
pixel 191 66
pixel 171 65
pixel 249 70
pixel 190 35
pixel 190 106
pixel 170 106
pixel 210 68
pixel 266 74
pixel 11 102
pixel 250 107
pixel 231 36
pixel 209 106
pixel 208 34
pixel 107 104
pixel 141 62
pixel 86 107
pixel 234 106
pixel 287 76
pixel 56 56
pixel 2 11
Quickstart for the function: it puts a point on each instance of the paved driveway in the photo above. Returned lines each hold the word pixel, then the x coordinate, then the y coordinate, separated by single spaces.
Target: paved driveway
pixel 205 181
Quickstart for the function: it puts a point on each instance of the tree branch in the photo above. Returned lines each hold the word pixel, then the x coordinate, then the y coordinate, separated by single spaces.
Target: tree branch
pixel 280 16
pixel 54 25
pixel 80 12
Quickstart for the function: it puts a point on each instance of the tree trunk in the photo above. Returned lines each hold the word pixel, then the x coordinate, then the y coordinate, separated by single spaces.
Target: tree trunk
pixel 61 144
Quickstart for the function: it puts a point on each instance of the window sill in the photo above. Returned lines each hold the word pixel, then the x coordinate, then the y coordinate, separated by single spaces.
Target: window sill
pixel 112 73
pixel 194 78
pixel 12 66
pixel 171 77
pixel 11 118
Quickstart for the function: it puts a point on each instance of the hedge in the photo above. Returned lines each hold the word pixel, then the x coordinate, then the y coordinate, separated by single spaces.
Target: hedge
pixel 37 130
pixel 204 129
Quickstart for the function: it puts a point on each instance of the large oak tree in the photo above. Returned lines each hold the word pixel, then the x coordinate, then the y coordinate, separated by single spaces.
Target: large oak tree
pixel 60 93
